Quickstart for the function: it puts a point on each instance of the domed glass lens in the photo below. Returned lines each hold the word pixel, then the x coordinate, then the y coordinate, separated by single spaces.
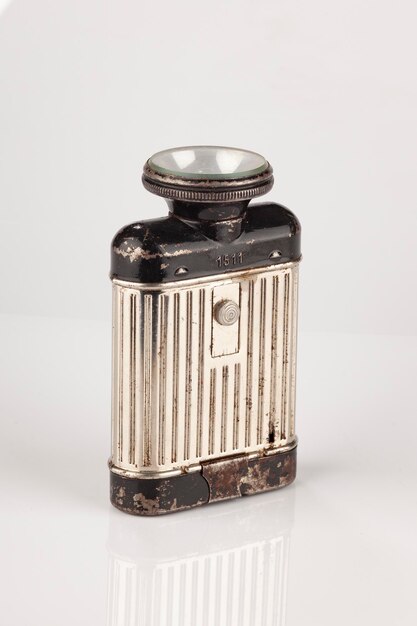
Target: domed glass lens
pixel 208 162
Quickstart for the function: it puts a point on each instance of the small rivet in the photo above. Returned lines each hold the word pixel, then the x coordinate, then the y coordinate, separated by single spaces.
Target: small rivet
pixel 181 270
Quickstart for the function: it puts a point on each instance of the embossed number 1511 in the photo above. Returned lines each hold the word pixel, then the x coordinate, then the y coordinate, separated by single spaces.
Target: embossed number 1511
pixel 229 259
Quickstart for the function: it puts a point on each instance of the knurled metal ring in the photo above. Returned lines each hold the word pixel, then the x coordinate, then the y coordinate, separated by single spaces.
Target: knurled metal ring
pixel 206 190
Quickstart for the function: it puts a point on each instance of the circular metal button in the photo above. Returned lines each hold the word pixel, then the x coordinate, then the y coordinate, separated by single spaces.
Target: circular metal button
pixel 226 312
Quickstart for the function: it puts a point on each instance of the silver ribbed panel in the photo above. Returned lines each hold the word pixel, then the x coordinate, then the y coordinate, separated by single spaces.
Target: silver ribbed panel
pixel 174 403
pixel 240 586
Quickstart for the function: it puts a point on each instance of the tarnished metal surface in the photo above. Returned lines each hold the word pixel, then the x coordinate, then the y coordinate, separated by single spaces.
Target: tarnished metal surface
pixel 175 402
pixel 227 478
pixel 241 476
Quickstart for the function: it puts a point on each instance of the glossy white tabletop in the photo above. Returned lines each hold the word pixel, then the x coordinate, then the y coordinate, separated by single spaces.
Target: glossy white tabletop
pixel 337 547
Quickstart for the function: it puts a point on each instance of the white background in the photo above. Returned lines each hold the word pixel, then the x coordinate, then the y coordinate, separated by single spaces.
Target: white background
pixel 327 92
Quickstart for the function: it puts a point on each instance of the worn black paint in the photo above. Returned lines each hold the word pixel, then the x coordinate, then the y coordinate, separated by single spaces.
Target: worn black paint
pixel 156 496
pixel 219 479
pixel 152 251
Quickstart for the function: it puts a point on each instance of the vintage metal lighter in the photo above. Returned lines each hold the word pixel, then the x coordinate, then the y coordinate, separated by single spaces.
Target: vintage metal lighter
pixel 204 336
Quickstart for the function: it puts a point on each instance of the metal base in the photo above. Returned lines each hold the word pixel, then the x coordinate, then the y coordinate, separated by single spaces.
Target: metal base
pixel 221 479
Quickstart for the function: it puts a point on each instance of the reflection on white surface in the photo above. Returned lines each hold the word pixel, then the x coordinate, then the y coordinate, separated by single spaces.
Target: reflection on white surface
pixel 220 565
